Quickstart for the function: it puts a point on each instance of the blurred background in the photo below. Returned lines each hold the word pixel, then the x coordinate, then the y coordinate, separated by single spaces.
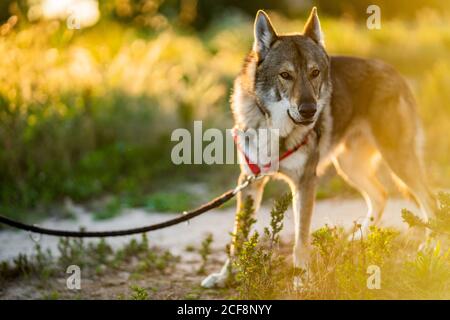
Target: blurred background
pixel 90 91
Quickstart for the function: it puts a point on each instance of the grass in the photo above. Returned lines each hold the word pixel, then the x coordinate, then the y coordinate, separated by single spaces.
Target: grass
pixel 139 293
pixel 257 263
pixel 342 268
pixel 170 202
pixel 78 123
pixel 110 210
pixel 384 265
pixel 94 258
pixel 205 252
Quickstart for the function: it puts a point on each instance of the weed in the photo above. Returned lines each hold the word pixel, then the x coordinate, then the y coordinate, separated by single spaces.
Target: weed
pixel 154 260
pixel 205 251
pixel 170 202
pixel 100 252
pixel 132 248
pixel 72 251
pixel 339 268
pixel 111 210
pixel 54 295
pixel 428 275
pixel 257 263
pixel 440 225
pixel 138 293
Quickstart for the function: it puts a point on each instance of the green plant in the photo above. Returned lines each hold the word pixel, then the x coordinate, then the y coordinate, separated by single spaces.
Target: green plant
pixel 155 260
pixel 138 293
pixel 245 221
pixel 37 264
pixel 72 251
pixel 170 201
pixel 324 239
pixel 54 295
pixel 205 251
pixel 428 275
pixel 440 224
pixel 132 248
pixel 339 267
pixel 257 263
pixel 100 252
pixel 111 210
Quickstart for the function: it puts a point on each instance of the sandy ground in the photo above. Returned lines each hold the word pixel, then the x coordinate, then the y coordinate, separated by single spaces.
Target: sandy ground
pixel 181 281
pixel 177 238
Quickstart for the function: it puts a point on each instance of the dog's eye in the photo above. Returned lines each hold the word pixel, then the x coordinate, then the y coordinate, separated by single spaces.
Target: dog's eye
pixel 315 73
pixel 285 75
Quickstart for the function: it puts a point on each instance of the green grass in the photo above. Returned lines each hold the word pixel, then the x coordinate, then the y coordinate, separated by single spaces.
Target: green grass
pixel 341 268
pixel 110 210
pixel 139 293
pixel 170 201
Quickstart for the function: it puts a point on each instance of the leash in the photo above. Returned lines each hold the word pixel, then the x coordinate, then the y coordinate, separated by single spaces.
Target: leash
pixel 216 202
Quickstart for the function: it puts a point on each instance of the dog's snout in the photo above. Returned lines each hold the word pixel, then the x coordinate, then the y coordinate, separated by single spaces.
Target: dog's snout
pixel 307 110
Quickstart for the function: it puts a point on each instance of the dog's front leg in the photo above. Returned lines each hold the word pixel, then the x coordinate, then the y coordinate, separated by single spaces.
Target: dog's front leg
pixel 303 197
pixel 254 191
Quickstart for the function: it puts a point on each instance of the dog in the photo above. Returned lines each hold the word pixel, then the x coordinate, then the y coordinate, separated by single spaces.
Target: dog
pixel 353 112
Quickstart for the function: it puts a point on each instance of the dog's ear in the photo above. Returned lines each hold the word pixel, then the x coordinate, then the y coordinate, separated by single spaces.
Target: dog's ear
pixel 265 34
pixel 312 28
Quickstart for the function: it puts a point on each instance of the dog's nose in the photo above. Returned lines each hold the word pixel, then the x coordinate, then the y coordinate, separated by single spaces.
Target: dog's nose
pixel 307 110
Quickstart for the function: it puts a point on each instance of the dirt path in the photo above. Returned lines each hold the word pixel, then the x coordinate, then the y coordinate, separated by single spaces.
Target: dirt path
pixel 180 281
pixel 218 222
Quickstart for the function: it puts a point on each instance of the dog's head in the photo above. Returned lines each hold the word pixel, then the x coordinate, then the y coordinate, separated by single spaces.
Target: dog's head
pixel 291 72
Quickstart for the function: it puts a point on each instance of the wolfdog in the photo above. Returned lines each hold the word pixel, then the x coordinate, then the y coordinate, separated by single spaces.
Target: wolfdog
pixel 353 112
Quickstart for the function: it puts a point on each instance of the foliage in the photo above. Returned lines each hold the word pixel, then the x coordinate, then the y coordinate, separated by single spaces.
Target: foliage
pixel 341 268
pixel 170 201
pixel 429 272
pixel 256 260
pixel 440 224
pixel 139 293
pixel 205 251
pixel 93 258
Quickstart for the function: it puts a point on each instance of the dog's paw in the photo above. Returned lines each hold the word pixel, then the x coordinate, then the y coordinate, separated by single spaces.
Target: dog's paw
pixel 215 280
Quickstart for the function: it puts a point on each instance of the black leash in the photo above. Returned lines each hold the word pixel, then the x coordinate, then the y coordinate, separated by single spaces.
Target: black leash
pixel 125 232
pixel 116 233
pixel 100 234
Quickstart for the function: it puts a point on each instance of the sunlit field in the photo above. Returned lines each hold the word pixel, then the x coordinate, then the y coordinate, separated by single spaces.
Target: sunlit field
pixel 86 117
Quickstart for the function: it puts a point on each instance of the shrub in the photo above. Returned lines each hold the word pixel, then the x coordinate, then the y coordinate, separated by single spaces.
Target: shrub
pixel 257 261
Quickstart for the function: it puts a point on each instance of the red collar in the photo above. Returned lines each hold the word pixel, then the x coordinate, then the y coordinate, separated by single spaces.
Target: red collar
pixel 255 169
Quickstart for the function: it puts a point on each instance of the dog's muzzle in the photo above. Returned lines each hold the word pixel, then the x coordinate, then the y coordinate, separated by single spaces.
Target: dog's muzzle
pixel 307 111
pixel 305 114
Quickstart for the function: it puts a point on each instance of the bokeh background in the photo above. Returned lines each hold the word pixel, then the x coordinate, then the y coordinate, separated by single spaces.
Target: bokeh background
pixel 90 91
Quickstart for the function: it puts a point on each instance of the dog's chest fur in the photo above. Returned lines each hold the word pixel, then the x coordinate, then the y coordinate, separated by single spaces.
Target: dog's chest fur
pixel 248 116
